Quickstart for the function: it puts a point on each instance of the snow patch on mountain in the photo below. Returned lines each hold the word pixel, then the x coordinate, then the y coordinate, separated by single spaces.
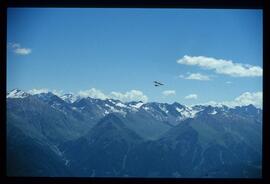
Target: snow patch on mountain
pixel 187 112
pixel 74 108
pixel 146 108
pixel 70 98
pixel 112 101
pixel 120 104
pixel 163 109
pixel 179 110
pixel 184 113
pixel 214 112
pixel 112 109
pixel 137 105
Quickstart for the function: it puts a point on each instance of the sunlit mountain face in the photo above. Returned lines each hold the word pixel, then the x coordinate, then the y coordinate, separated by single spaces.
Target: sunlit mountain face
pixel 51 135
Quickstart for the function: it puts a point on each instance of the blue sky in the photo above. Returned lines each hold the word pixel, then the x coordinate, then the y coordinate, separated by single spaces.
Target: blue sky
pixel 122 50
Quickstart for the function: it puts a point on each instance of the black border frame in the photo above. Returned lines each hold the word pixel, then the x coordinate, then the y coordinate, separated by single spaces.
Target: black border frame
pixel 209 4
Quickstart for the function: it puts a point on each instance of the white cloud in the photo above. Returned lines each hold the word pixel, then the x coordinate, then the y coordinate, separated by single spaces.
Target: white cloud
pixel 22 51
pixel 221 66
pixel 93 93
pixel 195 76
pixel 245 98
pixel 133 95
pixel 249 98
pixel 191 96
pixel 17 49
pixel 168 92
pixel 228 82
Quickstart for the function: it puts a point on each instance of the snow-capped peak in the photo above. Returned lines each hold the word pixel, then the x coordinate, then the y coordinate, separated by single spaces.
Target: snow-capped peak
pixel 136 105
pixel 16 93
pixel 187 112
pixel 70 98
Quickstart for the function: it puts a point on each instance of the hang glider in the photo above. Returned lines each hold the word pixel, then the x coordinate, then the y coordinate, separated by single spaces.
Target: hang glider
pixel 156 83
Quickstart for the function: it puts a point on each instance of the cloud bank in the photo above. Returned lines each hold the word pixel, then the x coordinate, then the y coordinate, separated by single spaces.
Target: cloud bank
pixel 245 98
pixel 221 66
pixel 93 93
pixel 45 90
pixel 133 95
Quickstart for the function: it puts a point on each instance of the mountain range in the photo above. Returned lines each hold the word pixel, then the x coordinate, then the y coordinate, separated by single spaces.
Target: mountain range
pixel 65 135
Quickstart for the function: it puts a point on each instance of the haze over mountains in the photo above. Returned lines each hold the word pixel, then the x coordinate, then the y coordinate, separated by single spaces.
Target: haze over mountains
pixel 50 135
